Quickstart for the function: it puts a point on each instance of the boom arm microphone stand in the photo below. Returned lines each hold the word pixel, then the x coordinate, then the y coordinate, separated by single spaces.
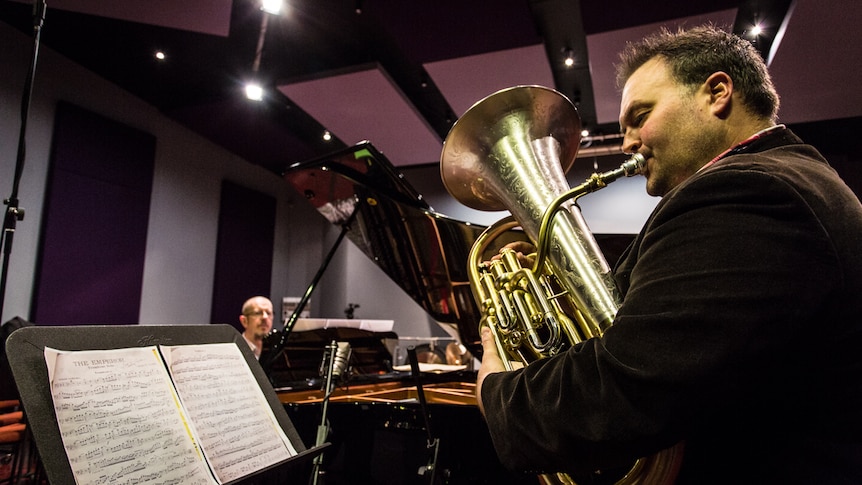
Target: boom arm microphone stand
pixel 13 212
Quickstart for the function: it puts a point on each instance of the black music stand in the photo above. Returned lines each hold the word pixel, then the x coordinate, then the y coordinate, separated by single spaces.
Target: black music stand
pixel 25 349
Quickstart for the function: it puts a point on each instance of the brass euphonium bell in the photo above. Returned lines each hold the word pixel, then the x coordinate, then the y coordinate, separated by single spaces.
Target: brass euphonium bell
pixel 510 151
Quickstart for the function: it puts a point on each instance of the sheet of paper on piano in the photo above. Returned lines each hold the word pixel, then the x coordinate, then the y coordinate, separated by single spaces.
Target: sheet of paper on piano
pixel 306 324
pixel 429 367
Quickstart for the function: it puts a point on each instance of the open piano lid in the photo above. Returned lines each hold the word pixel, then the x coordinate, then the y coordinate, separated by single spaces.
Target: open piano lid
pixel 424 252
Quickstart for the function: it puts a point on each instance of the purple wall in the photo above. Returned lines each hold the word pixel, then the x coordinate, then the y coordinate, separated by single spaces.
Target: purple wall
pixel 94 232
pixel 243 267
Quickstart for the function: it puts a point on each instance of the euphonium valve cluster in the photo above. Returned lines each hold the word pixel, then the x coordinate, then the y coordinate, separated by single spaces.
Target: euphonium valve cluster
pixel 510 151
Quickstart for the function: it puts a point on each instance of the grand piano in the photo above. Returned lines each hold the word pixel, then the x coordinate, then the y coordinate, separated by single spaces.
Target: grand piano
pixel 379 427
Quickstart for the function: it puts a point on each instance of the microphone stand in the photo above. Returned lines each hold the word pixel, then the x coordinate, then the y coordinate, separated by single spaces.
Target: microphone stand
pixel 337 358
pixel 13 212
pixel 432 443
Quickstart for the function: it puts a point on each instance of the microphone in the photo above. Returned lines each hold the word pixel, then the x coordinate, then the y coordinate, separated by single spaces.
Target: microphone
pixel 342 359
pixel 336 362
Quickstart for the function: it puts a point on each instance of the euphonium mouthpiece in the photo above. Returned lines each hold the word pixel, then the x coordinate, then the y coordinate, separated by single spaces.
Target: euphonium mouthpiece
pixel 631 167
pixel 634 165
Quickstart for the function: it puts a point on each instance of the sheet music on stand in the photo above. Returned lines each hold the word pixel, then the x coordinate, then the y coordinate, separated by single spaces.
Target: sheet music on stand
pixel 127 403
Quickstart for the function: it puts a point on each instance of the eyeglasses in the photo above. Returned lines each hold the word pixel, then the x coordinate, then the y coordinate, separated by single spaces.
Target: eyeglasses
pixel 259 313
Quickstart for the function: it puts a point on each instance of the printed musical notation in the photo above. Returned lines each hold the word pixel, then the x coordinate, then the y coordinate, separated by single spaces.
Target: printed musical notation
pixel 119 420
pixel 123 420
pixel 236 427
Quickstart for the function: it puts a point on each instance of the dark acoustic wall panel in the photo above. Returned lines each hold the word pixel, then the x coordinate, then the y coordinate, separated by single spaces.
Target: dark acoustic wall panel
pixel 246 235
pixel 94 228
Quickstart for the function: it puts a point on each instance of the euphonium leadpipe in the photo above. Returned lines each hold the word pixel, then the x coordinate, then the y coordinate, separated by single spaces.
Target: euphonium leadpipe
pixel 510 151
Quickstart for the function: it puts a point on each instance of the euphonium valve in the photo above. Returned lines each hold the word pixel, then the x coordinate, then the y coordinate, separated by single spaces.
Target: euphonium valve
pixel 510 151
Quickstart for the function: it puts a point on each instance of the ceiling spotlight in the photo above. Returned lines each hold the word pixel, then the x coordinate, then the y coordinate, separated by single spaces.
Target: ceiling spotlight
pixel 585 133
pixel 160 55
pixel 756 30
pixel 327 135
pixel 272 6
pixel 569 60
pixel 253 91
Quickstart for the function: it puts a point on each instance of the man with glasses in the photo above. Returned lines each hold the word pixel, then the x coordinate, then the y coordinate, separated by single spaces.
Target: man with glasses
pixel 256 319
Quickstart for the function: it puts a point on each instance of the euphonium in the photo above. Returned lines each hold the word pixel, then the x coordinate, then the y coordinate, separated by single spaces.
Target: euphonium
pixel 510 151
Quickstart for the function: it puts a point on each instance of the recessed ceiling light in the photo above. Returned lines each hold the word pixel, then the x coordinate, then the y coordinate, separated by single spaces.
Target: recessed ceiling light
pixel 272 6
pixel 569 59
pixel 253 91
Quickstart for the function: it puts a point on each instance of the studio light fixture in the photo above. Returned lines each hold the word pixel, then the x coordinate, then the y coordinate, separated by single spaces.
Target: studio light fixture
pixel 764 23
pixel 756 30
pixel 569 59
pixel 253 91
pixel 272 6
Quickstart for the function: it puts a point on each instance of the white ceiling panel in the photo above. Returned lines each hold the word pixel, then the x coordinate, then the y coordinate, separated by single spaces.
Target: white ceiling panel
pixel 466 80
pixel 366 105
